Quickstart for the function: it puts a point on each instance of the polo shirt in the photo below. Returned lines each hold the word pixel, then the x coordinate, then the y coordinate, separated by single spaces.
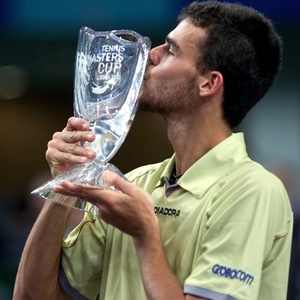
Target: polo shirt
pixel 226 232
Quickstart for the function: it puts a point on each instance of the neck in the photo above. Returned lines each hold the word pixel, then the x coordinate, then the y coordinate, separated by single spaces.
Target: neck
pixel 192 139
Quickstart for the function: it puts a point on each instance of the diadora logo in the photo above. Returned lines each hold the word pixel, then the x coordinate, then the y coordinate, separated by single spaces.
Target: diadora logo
pixel 167 211
pixel 232 274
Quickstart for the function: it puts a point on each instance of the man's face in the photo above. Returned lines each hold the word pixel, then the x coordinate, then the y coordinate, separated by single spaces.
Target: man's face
pixel 170 81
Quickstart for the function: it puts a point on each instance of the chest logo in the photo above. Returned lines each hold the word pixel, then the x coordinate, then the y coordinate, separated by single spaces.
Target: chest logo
pixel 167 211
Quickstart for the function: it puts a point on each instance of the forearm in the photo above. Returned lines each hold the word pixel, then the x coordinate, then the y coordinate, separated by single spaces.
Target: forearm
pixel 37 277
pixel 158 279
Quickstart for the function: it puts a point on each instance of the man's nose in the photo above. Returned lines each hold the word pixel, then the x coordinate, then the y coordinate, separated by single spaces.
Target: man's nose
pixel 155 55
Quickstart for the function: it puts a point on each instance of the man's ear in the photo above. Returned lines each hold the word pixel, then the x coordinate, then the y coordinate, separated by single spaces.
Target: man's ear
pixel 211 83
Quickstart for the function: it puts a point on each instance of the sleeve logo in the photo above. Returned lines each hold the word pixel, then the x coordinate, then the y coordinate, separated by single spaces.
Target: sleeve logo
pixel 232 274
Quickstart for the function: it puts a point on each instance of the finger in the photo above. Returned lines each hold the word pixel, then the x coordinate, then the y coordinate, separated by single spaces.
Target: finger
pixel 118 182
pixel 77 124
pixel 56 158
pixel 88 193
pixel 69 189
pixel 59 144
pixel 74 136
pixel 60 153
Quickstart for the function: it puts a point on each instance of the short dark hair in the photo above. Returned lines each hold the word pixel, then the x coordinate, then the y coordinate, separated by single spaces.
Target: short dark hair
pixel 243 45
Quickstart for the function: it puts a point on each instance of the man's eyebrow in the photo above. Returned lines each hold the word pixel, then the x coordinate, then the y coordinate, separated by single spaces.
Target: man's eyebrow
pixel 172 42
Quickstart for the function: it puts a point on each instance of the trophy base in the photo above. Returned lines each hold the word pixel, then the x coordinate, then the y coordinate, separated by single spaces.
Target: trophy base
pixel 88 173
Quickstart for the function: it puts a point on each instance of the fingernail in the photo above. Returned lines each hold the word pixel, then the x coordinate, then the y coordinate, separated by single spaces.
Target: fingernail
pixel 91 153
pixel 106 175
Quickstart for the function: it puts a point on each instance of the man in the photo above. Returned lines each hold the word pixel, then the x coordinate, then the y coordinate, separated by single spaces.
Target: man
pixel 208 223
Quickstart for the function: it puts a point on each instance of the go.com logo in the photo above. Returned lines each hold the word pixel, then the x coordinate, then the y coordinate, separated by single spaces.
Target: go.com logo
pixel 232 274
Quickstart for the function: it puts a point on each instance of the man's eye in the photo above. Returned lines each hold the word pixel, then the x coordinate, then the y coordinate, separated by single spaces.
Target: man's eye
pixel 170 51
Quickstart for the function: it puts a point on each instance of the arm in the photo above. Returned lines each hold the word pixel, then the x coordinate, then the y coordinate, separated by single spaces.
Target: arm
pixel 37 277
pixel 158 279
pixel 131 211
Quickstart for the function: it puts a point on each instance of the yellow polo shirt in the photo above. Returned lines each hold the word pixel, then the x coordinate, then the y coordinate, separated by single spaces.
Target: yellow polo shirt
pixel 226 230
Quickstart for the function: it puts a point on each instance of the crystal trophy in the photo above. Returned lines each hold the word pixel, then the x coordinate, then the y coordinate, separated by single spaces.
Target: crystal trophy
pixel 109 72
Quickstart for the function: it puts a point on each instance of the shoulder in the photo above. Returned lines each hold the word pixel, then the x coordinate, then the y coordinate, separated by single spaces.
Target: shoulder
pixel 248 186
pixel 253 188
pixel 148 170
pixel 250 194
pixel 250 174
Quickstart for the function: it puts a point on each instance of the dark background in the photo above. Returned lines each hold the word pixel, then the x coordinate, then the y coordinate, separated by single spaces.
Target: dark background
pixel 38 41
pixel 37 47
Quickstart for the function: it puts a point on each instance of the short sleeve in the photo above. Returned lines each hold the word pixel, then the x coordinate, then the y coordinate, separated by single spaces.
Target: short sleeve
pixel 248 226
pixel 82 258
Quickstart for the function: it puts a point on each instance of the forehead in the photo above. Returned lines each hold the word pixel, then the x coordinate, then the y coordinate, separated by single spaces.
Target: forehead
pixel 187 36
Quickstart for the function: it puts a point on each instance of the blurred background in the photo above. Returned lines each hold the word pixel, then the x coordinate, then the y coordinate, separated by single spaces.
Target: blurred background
pixel 38 40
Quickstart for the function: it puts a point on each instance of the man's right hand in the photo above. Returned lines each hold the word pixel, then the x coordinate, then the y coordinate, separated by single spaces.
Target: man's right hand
pixel 65 149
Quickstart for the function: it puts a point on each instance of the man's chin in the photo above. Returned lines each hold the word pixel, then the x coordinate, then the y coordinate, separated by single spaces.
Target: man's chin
pixel 145 107
pixel 149 107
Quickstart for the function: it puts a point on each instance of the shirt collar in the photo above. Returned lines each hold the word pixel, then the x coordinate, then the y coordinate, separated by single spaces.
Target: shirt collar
pixel 211 167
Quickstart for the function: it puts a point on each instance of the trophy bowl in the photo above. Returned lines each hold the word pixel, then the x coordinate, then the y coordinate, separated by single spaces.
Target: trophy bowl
pixel 109 72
